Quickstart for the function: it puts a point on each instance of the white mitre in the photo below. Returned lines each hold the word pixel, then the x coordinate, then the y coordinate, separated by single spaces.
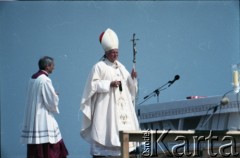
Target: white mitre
pixel 109 40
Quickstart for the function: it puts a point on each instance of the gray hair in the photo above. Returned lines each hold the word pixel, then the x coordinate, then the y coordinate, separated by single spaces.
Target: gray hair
pixel 44 62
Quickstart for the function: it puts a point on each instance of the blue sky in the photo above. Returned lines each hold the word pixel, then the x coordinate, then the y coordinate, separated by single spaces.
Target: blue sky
pixel 197 40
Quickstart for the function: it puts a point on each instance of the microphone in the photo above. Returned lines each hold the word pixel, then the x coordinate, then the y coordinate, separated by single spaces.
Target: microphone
pixel 163 87
pixel 175 79
pixel 120 86
pixel 224 101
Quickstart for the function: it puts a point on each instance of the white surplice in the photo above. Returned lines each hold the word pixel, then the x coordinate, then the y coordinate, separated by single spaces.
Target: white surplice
pixel 108 110
pixel 39 125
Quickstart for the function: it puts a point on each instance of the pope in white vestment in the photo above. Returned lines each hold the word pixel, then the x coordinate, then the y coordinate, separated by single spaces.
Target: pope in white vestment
pixel 107 102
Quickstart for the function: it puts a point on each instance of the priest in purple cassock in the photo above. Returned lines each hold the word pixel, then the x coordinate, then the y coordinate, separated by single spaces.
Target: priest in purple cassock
pixel 40 129
pixel 108 101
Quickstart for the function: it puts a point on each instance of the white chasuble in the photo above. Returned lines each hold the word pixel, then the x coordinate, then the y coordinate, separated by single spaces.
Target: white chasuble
pixel 108 110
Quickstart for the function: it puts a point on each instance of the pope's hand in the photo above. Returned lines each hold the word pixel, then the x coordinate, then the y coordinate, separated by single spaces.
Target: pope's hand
pixel 134 74
pixel 115 83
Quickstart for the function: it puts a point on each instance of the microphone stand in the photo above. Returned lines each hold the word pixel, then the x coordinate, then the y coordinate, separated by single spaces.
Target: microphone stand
pixel 205 120
pixel 156 92
pixel 214 109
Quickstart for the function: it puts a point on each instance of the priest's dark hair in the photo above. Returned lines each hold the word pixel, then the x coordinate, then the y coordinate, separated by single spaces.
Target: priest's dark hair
pixel 44 62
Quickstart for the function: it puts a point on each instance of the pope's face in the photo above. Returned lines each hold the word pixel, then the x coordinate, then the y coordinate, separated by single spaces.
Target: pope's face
pixel 112 55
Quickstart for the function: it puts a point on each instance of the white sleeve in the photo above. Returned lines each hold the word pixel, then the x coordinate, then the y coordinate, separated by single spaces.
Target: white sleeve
pixel 50 98
pixel 133 86
pixel 98 83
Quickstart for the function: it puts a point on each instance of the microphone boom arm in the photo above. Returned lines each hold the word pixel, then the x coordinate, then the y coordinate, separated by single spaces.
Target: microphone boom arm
pixel 155 92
